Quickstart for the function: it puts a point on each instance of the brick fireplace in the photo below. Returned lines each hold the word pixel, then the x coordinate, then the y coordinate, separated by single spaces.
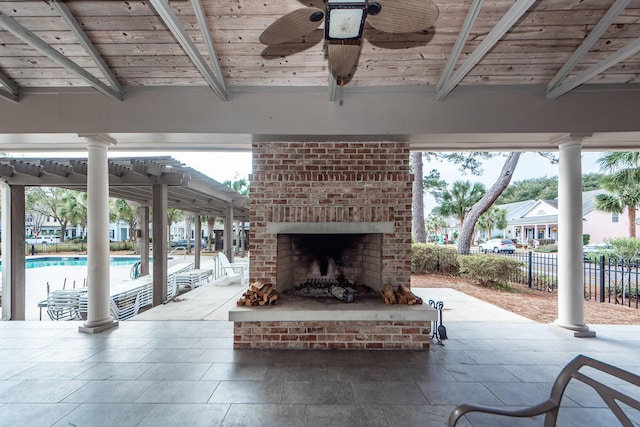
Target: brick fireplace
pixel 331 211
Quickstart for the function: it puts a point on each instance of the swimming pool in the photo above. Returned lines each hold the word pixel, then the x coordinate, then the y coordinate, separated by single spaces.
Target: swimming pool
pixel 65 261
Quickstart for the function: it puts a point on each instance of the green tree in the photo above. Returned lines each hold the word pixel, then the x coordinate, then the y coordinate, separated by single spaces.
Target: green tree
pixel 123 211
pixel 211 221
pixel 74 207
pixel 530 189
pixel 545 188
pixel 467 162
pixel 419 231
pixel 623 185
pixel 485 202
pixel 173 215
pixel 189 219
pixel 457 201
pixel 592 181
pixel 239 185
pixel 51 201
pixel 434 224
pixel 492 218
pixel 36 210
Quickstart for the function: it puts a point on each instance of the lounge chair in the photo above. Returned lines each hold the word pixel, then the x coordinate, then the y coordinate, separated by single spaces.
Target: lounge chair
pixel 550 408
pixel 65 304
pixel 234 270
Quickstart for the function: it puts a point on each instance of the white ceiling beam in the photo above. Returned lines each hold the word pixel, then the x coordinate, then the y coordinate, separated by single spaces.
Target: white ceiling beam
pixel 588 42
pixel 476 6
pixel 170 19
pixel 518 9
pixel 71 21
pixel 619 56
pixel 12 26
pixel 208 40
pixel 11 89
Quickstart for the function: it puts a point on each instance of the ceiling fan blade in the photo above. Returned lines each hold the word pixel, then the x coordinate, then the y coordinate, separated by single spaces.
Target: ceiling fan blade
pixel 404 16
pixel 343 60
pixel 291 26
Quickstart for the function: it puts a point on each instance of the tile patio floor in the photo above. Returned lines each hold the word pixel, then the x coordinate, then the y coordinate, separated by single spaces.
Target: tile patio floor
pixel 185 373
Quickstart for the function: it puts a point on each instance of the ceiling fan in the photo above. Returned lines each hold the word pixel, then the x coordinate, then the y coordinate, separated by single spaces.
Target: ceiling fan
pixel 344 24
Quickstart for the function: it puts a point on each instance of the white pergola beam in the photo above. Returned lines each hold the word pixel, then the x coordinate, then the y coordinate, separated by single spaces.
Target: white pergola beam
pixel 170 19
pixel 11 89
pixel 71 21
pixel 208 40
pixel 587 43
pixel 508 20
pixel 12 26
pixel 476 6
pixel 619 56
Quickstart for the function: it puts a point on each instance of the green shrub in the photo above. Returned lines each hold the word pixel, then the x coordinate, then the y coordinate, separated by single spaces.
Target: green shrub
pixel 586 238
pixel 123 245
pixel 546 249
pixel 427 258
pixel 489 270
pixel 626 248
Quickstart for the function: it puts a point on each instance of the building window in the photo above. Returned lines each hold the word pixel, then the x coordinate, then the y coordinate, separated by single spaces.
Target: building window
pixel 615 217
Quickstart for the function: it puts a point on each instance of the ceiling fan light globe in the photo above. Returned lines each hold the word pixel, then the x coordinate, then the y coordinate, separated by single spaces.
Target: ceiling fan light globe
pixel 345 23
pixel 344 19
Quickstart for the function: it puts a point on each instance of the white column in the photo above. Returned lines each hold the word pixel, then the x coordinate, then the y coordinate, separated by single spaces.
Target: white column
pixel 228 233
pixel 197 240
pixel 6 249
pixel 570 273
pixel 98 283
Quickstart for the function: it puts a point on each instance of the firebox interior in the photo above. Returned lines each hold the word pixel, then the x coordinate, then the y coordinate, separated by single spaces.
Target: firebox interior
pixel 341 259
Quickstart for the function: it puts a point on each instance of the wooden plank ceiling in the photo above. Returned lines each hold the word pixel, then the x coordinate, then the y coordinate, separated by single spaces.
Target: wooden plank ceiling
pixel 140 50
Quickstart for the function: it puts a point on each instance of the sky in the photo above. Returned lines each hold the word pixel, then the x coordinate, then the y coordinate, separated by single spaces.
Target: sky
pixel 223 166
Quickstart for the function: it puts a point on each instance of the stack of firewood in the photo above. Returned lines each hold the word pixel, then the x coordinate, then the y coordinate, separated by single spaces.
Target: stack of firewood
pixel 401 296
pixel 259 293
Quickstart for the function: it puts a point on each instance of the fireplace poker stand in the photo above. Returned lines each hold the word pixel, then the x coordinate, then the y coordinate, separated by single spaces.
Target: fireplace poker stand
pixel 435 328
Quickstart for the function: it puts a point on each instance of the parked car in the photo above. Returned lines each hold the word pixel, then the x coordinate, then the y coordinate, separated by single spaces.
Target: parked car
pixel 497 245
pixel 592 251
pixel 42 240
pixel 183 243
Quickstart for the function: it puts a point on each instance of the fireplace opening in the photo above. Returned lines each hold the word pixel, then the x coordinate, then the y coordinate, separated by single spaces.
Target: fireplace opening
pixel 327 260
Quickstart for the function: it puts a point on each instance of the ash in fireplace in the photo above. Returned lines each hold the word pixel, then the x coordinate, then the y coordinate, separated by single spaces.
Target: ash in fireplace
pixel 329 288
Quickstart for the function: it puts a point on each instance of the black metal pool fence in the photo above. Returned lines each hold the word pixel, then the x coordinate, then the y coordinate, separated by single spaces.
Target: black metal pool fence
pixel 606 278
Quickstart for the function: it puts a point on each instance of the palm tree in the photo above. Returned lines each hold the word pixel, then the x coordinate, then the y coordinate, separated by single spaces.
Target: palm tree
pixel 239 185
pixel 122 210
pixel 173 215
pixel 623 185
pixel 435 223
pixel 211 221
pixel 74 208
pixel 189 219
pixel 457 202
pixel 492 218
